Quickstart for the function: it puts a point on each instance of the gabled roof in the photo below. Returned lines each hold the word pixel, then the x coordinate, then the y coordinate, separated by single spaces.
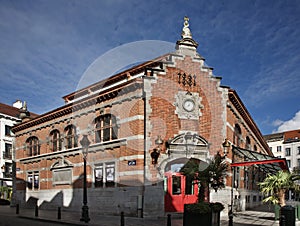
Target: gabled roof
pixel 9 110
pixel 13 111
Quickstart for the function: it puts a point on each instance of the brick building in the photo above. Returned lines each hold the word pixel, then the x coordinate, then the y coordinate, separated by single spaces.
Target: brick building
pixel 144 124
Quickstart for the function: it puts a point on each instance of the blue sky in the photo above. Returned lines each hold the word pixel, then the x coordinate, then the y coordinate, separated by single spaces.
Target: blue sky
pixel 47 46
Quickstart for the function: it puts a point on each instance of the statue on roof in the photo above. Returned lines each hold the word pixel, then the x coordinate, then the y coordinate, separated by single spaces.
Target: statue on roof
pixel 186 33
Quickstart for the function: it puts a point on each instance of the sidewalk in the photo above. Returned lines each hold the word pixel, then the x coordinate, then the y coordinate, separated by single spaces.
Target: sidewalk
pixel 260 216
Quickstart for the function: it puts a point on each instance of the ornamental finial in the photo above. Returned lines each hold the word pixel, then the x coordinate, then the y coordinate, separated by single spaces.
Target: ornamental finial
pixel 186 33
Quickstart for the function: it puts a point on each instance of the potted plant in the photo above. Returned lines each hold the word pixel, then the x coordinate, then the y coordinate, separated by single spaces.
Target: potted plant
pixel 275 186
pixel 203 212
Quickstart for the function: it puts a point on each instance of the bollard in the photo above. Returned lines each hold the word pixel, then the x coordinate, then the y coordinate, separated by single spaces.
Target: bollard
pixel 169 220
pixel 58 213
pixel 36 210
pixel 17 209
pixel 122 219
pixel 282 220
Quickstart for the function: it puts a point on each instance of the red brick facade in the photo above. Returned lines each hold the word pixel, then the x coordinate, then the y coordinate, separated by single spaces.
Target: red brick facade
pixel 147 101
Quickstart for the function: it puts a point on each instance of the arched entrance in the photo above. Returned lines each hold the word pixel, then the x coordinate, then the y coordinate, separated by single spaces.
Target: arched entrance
pixel 180 189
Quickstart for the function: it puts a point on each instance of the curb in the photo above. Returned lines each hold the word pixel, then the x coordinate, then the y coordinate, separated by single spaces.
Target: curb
pixel 52 221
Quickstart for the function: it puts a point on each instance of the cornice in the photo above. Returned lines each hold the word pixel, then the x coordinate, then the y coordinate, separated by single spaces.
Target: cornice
pixel 240 107
pixel 81 104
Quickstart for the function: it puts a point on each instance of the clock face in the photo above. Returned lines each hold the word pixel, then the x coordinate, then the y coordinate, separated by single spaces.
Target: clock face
pixel 189 105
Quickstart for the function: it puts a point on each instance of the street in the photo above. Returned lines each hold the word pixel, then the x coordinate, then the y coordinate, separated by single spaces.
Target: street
pixel 13 220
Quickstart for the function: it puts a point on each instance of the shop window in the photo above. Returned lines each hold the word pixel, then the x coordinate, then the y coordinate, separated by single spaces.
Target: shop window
pixel 105 175
pixel 71 137
pixel 105 128
pixel 55 144
pixel 32 146
pixel 33 180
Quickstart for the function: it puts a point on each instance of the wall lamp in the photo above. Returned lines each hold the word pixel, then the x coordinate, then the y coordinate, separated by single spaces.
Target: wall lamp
pixel 156 151
pixel 226 145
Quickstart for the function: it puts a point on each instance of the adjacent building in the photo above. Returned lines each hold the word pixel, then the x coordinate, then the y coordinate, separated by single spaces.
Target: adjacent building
pixel 286 145
pixel 9 116
pixel 143 125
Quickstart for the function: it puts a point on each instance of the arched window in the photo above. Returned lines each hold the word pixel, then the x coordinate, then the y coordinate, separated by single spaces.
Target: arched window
pixel 237 135
pixel 32 146
pixel 71 137
pixel 248 143
pixel 55 144
pixel 105 128
pixel 255 148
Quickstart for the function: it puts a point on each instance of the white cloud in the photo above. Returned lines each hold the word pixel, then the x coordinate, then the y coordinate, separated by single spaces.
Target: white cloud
pixel 291 124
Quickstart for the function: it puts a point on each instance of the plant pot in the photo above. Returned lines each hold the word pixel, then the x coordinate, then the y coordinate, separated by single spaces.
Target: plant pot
pixel 200 214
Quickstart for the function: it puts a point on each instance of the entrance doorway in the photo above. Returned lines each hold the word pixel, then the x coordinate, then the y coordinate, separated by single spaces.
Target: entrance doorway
pixel 179 190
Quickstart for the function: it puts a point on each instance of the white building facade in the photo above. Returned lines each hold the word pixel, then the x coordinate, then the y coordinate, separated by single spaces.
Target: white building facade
pixel 286 145
pixel 9 116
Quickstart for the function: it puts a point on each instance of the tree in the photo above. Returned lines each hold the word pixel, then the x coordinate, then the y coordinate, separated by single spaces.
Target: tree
pixel 212 175
pixel 274 186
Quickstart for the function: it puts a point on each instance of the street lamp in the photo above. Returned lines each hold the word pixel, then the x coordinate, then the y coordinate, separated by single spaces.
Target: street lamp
pixel 226 145
pixel 85 209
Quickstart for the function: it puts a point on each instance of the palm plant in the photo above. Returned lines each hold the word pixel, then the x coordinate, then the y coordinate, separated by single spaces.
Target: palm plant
pixel 274 186
pixel 214 174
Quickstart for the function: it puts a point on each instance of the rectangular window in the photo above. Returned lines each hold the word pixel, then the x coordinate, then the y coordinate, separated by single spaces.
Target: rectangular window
pixel 288 163
pixel 33 181
pixel 8 152
pixel 298 148
pixel 105 175
pixel 176 185
pixel 7 130
pixel 298 162
pixel 278 148
pixel 99 176
pixel 110 175
pixel 288 152
pixel 189 185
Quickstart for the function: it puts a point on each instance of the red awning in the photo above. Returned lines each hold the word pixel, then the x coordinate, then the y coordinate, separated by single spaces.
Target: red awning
pixel 267 163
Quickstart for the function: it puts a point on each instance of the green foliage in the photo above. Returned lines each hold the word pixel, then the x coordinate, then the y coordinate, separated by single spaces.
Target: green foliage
pixel 6 190
pixel 216 206
pixel 200 208
pixel 204 207
pixel 274 186
pixel 214 173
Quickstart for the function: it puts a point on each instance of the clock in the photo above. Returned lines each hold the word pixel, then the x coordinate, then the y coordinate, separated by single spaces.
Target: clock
pixel 188 105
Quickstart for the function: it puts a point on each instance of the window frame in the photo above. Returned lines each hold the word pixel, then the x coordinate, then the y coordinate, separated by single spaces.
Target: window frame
pixel 71 137
pixel 102 181
pixel 33 146
pixel 34 183
pixel 55 141
pixel 105 128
